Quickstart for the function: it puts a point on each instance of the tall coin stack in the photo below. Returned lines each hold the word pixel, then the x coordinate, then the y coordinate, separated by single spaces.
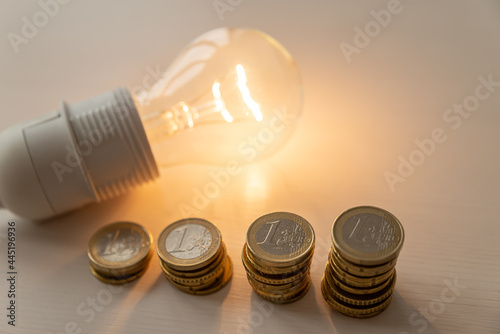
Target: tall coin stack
pixel 193 256
pixel 277 257
pixel 360 274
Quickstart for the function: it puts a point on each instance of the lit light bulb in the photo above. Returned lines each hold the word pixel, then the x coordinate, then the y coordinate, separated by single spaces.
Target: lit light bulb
pixel 227 85
pixel 231 97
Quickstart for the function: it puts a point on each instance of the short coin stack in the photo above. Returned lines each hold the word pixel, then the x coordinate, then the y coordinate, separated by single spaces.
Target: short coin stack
pixel 193 256
pixel 277 257
pixel 120 252
pixel 360 274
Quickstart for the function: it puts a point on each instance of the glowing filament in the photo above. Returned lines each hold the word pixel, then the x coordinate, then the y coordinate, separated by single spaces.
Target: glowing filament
pixel 219 103
pixel 189 116
pixel 242 85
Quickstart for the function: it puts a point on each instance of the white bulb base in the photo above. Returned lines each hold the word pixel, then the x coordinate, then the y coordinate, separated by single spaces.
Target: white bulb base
pixel 87 152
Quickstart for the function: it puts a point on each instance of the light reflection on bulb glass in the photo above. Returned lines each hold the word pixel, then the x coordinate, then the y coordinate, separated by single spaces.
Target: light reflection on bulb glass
pixel 232 94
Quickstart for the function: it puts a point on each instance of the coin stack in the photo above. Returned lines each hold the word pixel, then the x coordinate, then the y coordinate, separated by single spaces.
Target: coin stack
pixel 360 274
pixel 120 252
pixel 277 257
pixel 193 256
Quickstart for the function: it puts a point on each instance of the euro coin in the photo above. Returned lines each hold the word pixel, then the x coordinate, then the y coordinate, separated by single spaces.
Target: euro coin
pixel 193 256
pixel 189 244
pixel 352 310
pixel 367 236
pixel 280 239
pixel 120 252
pixel 277 257
pixel 360 275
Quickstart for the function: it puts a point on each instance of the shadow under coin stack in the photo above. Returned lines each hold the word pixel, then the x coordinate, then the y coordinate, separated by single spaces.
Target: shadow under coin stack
pixel 120 252
pixel 193 256
pixel 277 257
pixel 360 274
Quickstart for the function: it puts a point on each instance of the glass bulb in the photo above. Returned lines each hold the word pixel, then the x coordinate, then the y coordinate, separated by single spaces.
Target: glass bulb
pixel 231 95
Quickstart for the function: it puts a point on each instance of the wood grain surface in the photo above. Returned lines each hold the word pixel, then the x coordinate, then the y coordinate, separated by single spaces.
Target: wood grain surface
pixel 378 128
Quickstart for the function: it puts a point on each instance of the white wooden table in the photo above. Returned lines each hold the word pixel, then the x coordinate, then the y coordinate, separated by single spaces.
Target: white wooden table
pixel 363 113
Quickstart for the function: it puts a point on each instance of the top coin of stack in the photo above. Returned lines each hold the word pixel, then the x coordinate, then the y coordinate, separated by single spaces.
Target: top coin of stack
pixel 277 257
pixel 120 252
pixel 193 256
pixel 360 274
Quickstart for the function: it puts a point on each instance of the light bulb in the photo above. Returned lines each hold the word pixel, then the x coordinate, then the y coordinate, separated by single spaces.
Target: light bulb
pixel 232 96
pixel 229 86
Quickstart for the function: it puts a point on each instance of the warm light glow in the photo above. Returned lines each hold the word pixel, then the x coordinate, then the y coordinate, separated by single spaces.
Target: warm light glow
pixel 188 116
pixel 219 103
pixel 216 90
pixel 242 85
pixel 217 96
pixel 227 116
pixel 169 119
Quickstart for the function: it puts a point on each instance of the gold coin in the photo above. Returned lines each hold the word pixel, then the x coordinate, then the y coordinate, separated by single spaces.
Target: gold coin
pixel 353 311
pixel 119 250
pixel 273 271
pixel 122 273
pixel 357 281
pixel 203 284
pixel 277 293
pixel 196 281
pixel 189 244
pixel 281 297
pixel 273 279
pixel 356 299
pixel 280 239
pixel 274 287
pixel 200 272
pixel 216 286
pixel 288 299
pixel 367 236
pixel 117 280
pixel 363 271
pixel 353 289
pixel 372 280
